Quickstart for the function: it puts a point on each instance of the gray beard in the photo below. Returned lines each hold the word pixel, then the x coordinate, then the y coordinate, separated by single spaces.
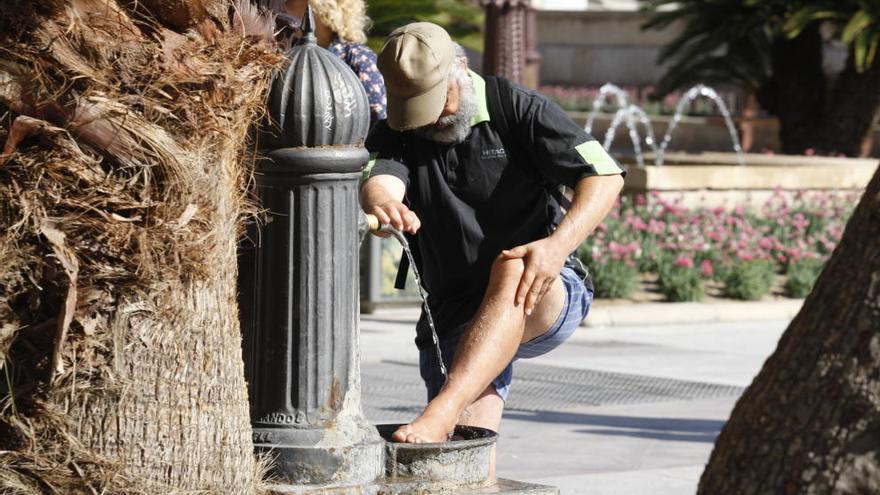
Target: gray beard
pixel 455 128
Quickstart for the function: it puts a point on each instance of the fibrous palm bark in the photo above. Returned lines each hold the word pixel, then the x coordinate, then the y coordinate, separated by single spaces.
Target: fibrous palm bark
pixel 121 202
pixel 810 421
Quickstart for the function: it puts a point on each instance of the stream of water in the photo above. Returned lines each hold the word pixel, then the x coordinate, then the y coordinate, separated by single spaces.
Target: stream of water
pixel 412 264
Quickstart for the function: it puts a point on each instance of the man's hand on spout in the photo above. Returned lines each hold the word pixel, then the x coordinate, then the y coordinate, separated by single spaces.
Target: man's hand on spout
pixel 382 195
pixel 397 215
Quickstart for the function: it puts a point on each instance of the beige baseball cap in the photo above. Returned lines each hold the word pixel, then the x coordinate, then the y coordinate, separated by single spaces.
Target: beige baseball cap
pixel 415 63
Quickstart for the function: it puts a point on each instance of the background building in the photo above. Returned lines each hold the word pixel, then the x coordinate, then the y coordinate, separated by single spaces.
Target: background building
pixel 591 42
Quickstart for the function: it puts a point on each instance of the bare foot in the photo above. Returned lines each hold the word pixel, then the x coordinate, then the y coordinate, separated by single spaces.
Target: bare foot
pixel 427 428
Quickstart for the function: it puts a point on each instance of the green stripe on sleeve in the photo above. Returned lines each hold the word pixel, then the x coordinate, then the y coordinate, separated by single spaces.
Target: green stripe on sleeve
pixel 482 114
pixel 594 154
pixel 368 168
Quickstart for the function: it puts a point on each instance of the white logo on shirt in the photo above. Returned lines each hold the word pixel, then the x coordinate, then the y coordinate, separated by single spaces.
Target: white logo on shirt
pixel 493 153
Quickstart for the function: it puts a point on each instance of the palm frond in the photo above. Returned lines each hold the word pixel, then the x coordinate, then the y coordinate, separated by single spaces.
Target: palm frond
pixel 859 22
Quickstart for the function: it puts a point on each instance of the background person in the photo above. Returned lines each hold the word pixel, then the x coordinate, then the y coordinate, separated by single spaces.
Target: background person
pixel 341 28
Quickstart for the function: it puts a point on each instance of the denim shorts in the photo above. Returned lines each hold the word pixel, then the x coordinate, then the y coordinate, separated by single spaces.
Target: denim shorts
pixel 574 310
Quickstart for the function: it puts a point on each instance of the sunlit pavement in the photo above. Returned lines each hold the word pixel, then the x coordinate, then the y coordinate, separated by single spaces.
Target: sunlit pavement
pixel 623 410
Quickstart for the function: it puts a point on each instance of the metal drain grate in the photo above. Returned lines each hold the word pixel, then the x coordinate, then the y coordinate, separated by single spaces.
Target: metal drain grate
pixel 393 391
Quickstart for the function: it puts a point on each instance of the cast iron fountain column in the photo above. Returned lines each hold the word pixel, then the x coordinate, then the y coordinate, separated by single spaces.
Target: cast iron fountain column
pixel 299 284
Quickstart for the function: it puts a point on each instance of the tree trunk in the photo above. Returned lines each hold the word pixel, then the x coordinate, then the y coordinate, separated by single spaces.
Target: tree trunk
pixel 851 107
pixel 797 90
pixel 121 202
pixel 810 421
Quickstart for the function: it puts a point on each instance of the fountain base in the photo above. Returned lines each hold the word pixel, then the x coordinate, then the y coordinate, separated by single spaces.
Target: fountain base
pixel 500 487
pixel 460 462
pixel 458 466
pixel 324 466
pixel 716 179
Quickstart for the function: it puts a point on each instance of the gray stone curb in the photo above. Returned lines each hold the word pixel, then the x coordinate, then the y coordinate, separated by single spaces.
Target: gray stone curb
pixel 665 313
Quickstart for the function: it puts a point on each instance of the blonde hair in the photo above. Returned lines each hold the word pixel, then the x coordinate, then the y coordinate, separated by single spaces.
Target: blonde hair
pixel 346 18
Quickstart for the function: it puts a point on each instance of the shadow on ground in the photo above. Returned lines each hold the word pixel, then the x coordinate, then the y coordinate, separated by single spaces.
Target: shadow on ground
pixel 673 429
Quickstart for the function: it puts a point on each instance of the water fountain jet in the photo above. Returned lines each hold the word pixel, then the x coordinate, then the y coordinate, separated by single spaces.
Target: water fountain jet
pixel 632 115
pixel 700 90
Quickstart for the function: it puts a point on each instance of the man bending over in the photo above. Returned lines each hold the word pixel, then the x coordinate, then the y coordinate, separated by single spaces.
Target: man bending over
pixel 474 166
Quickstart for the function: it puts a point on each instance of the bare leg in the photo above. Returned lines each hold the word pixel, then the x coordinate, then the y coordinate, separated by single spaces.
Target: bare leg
pixel 486 348
pixel 485 412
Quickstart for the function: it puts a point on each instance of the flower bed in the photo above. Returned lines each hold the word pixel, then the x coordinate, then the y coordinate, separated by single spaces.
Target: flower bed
pixel 740 253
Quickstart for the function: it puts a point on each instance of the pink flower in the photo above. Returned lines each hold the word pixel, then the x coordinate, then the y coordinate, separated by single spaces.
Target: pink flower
pixel 744 255
pixel 638 224
pixel 765 243
pixel 706 268
pixel 799 221
pixel 684 261
pixel 835 232
pixel 656 227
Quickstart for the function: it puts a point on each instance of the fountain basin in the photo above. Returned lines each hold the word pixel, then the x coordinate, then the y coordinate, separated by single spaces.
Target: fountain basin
pixel 716 179
pixel 463 462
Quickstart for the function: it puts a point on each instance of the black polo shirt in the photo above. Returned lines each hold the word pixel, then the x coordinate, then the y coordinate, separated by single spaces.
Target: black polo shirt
pixel 485 194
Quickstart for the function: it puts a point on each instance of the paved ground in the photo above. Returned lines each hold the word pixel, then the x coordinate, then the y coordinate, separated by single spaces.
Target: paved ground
pixel 622 410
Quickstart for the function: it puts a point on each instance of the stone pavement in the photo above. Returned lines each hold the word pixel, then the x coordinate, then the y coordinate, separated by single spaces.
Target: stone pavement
pixel 615 410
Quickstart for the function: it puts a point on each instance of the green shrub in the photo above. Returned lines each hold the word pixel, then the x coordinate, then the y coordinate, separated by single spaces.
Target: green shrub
pixel 650 257
pixel 682 284
pixel 801 276
pixel 613 279
pixel 749 280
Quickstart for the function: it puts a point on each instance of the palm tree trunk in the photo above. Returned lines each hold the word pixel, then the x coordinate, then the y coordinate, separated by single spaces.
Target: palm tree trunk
pixel 122 190
pixel 810 421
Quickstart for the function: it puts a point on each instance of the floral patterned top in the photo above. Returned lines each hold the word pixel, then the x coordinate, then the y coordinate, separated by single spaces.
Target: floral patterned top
pixel 362 61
